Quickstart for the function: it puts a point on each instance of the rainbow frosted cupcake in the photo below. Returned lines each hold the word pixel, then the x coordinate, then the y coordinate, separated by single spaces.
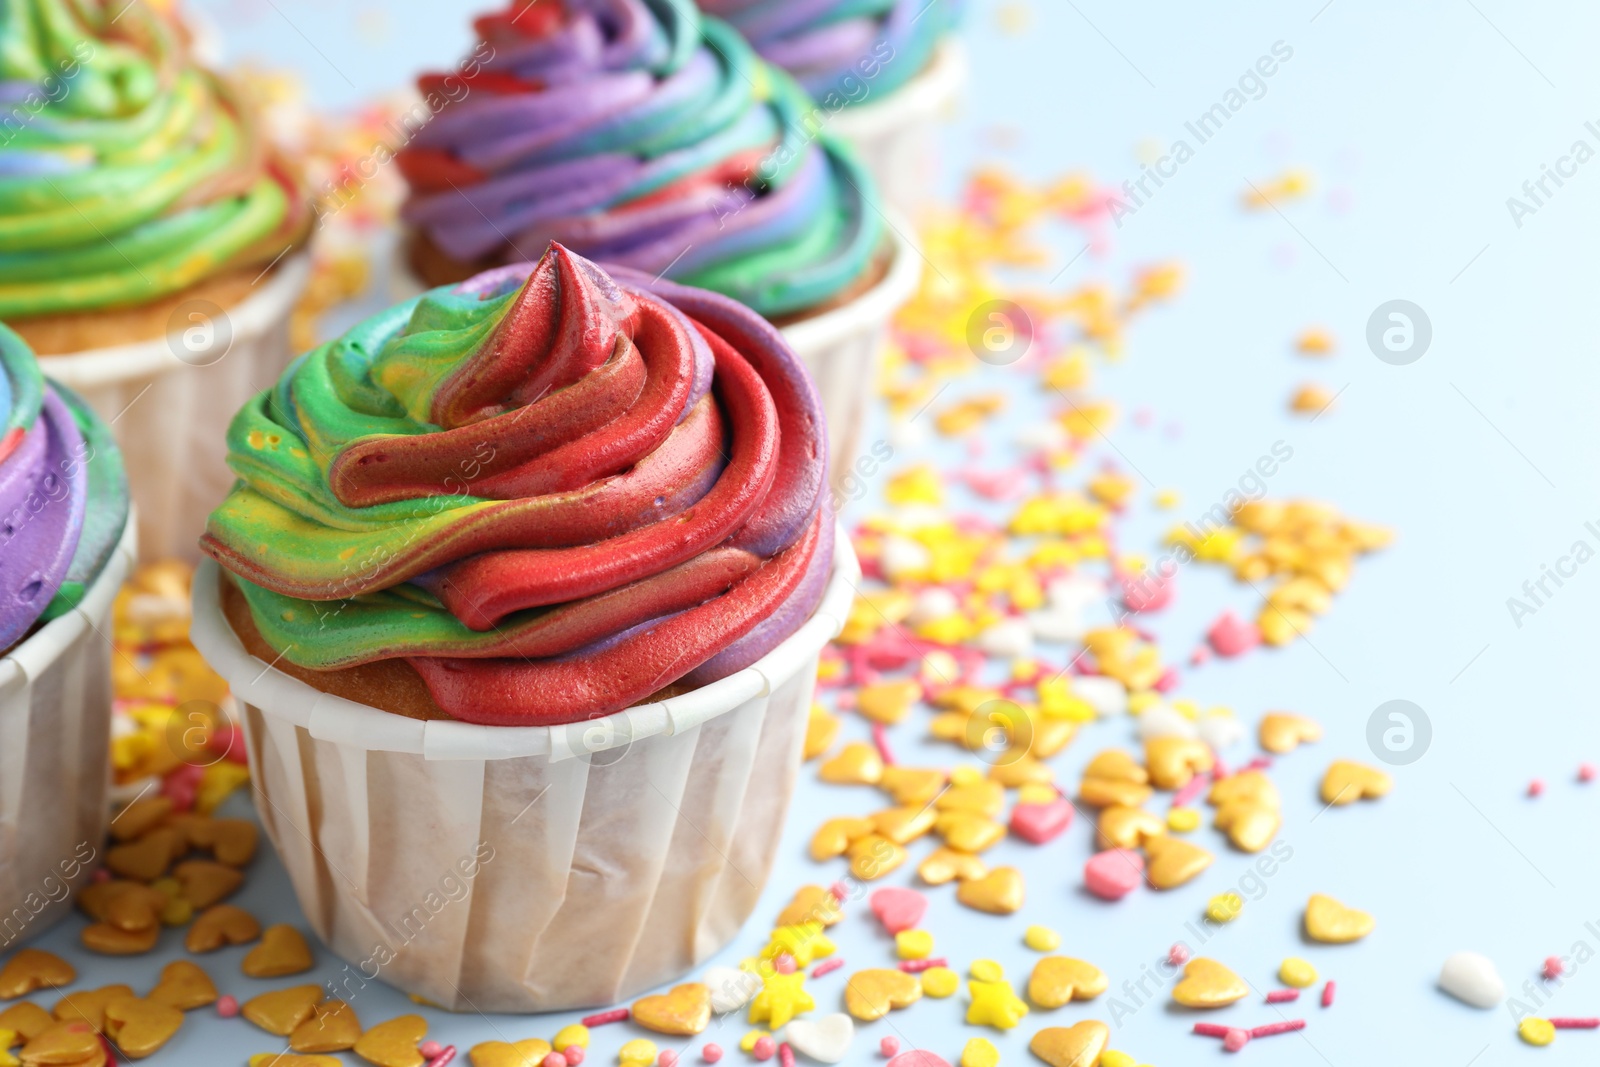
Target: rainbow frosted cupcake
pixel 884 72
pixel 558 528
pixel 641 135
pixel 65 547
pixel 146 236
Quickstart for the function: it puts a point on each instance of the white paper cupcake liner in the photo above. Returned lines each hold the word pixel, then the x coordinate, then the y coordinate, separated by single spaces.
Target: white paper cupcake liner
pixel 898 135
pixel 55 767
pixel 841 348
pixel 527 869
pixel 170 415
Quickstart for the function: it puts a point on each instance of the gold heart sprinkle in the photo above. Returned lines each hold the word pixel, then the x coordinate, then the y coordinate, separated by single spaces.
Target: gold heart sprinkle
pixel 1347 782
pixel 912 786
pixel 230 841
pixel 1172 861
pixel 983 798
pixel 1079 1045
pixel 811 903
pixel 1174 761
pixel 1057 980
pixel 857 763
pixel 27 1020
pixel 74 1044
pixel 221 924
pixel 965 831
pixel 89 1006
pixel 184 986
pixel 1000 892
pixel 140 817
pixel 333 1027
pixel 1208 984
pixel 946 865
pixel 1329 921
pixel 872 994
pixel 888 702
pixel 394 1043
pixel 31 969
pixel 204 882
pixel 281 1010
pixel 1252 787
pixel 1116 765
pixel 141 1027
pixel 529 1052
pixel 1281 732
pixel 685 1010
pixel 108 940
pixel 874 856
pixel 822 729
pixel 904 825
pixel 1104 792
pixel 282 951
pixel 1121 827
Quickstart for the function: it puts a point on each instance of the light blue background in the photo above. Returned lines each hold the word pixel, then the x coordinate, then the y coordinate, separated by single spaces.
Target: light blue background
pixel 1419 121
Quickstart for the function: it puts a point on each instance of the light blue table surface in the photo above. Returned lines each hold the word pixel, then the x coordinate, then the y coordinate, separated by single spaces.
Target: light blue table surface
pixel 1419 120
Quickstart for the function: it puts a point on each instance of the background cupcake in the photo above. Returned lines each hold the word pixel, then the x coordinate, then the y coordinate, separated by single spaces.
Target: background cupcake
pixel 643 136
pixel 65 547
pixel 883 70
pixel 146 231
pixel 532 501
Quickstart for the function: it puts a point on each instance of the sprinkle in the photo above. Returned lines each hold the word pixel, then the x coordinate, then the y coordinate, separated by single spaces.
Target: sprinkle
pixel 573 1054
pixel 786 1055
pixel 1285 1027
pixel 783 963
pixel 1041 939
pixel 1586 772
pixel 555 1059
pixel 880 738
pixel 1327 994
pixel 940 982
pixel 1197 785
pixel 1569 1023
pixel 764 1048
pixel 839 891
pixel 616 1015
pixel 1236 1039
pixel 227 1006
pixel 1553 968
pixel 1178 955
pixel 1182 820
pixel 913 944
pixel 1211 1029
pixel 1283 996
pixel 429 1049
pixel 1536 1031
pixel 827 967
pixel 668 1058
pixel 444 1058
pixel 1535 787
pixel 889 1047
pixel 1224 907
pixel 1297 972
pixel 918 966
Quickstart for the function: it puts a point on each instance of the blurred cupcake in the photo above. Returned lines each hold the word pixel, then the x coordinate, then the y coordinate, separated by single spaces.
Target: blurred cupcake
pixel 547 513
pixel 884 71
pixel 146 232
pixel 65 547
pixel 641 135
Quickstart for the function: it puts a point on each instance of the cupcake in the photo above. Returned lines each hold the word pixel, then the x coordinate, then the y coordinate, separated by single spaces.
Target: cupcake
pixel 883 71
pixel 546 559
pixel 65 547
pixel 641 135
pixel 146 240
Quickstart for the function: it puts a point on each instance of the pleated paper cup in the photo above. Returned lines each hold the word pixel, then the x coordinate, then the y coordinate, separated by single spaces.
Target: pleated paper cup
pixel 842 349
pixel 55 762
pixel 527 869
pixel 169 402
pixel 898 134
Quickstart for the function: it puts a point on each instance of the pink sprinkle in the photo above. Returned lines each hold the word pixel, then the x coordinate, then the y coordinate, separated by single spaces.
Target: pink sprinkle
pixel 444 1058
pixel 1553 968
pixel 889 1046
pixel 1586 772
pixel 1113 873
pixel 1286 1027
pixel 784 963
pixel 827 967
pixel 1178 955
pixel 668 1058
pixel 1327 994
pixel 1232 636
pixel 1199 656
pixel 1283 996
pixel 574 1055
pixel 1260 763
pixel 430 1049
pixel 227 1006
pixel 111 1053
pixel 101 874
pixel 839 891
pixel 1211 1029
pixel 880 738
pixel 616 1015
pixel 1168 681
pixel 918 966
pixel 1220 769
pixel 1236 1039
pixel 554 1059
pixel 1535 787
pixel 786 1055
pixel 1196 786
pixel 712 1052
pixel 1567 1023
pixel 763 1048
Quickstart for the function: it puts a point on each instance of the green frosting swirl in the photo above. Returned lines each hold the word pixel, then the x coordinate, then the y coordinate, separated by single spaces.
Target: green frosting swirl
pixel 126 173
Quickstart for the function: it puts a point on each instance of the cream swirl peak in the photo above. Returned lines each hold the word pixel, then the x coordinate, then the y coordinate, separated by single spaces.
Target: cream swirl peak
pixel 553 492
pixel 639 134
pixel 126 173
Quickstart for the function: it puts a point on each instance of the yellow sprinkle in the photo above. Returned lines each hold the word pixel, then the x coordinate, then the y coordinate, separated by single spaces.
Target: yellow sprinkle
pixel 980 1052
pixel 913 944
pixel 1041 939
pixel 938 983
pixel 1296 972
pixel 1037 793
pixel 637 1053
pixel 987 971
pixel 748 1041
pixel 1314 341
pixel 1166 500
pixel 1139 703
pixel 1536 1031
pixel 1112 1058
pixel 966 776
pixel 1225 907
pixel 567 1036
pixel 1182 820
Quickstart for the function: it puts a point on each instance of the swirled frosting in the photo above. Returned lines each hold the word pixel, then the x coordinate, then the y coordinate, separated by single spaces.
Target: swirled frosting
pixel 63 494
pixel 552 492
pixel 639 134
pixel 126 173
pixel 843 52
